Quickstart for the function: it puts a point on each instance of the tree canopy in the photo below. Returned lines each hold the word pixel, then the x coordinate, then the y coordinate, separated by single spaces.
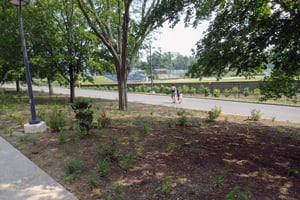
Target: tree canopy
pixel 246 36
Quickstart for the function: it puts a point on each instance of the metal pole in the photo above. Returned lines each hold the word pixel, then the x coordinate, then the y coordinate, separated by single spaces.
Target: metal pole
pixel 151 71
pixel 27 70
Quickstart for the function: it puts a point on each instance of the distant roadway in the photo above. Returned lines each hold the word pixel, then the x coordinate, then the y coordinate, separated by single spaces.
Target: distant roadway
pixel 277 112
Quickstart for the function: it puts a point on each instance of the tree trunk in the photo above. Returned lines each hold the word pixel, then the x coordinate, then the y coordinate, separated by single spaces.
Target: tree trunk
pixel 50 87
pixel 18 86
pixel 72 83
pixel 122 85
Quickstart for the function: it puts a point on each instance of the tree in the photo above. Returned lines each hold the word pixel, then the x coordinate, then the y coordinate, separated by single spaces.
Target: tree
pixel 11 60
pixel 123 25
pixel 61 46
pixel 245 36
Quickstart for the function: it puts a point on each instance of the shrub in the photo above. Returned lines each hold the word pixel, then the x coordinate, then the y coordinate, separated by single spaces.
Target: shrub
pixel 256 91
pixel 56 119
pixel 193 91
pixel 246 92
pixel 73 166
pixel 108 149
pixel 236 193
pixel 104 120
pixel 184 89
pixel 217 92
pixel 206 91
pixel 255 115
pixel 235 90
pixel 94 180
pixel 202 89
pixel 227 92
pixel 214 113
pixel 127 161
pixel 166 185
pixel 102 167
pixel 83 114
pixel 182 120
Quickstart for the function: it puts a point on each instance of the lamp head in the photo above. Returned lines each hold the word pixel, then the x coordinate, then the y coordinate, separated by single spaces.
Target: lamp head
pixel 19 2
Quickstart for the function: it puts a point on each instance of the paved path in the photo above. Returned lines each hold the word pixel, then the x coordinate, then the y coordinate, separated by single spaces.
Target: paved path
pixel 21 179
pixel 279 113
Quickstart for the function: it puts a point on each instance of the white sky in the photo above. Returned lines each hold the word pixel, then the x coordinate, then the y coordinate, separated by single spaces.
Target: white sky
pixel 179 39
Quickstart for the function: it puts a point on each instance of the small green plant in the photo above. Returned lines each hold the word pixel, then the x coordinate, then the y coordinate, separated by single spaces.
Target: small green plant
pixel 67 149
pixel 255 115
pixel 94 180
pixel 182 120
pixel 218 182
pixel 134 136
pixel 127 161
pixel 102 167
pixel 165 187
pixel 117 193
pixel 73 166
pixel 104 120
pixel 62 137
pixel 214 113
pixel 236 194
pixel 171 146
pixel 83 114
pixel 140 149
pixel 145 128
pixel 171 123
pixel 56 119
pixel 293 172
pixel 108 149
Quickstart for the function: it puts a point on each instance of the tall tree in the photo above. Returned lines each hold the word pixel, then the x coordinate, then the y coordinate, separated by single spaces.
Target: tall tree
pixel 61 42
pixel 245 36
pixel 11 60
pixel 123 25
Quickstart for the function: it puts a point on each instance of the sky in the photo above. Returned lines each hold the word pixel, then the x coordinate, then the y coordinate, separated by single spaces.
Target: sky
pixel 179 39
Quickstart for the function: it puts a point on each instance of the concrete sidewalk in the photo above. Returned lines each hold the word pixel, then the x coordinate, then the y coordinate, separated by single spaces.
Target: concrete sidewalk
pixel 21 179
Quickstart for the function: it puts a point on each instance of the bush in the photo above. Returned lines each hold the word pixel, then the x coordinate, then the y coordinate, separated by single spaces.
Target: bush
pixel 104 120
pixel 184 89
pixel 227 92
pixel 255 115
pixel 256 92
pixel 217 92
pixel 127 161
pixel 102 167
pixel 246 92
pixel 214 113
pixel 193 91
pixel 206 91
pixel 73 166
pixel 202 89
pixel 235 90
pixel 83 114
pixel 56 119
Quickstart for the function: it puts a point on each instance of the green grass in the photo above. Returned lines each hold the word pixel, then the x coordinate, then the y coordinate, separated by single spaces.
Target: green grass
pixel 100 80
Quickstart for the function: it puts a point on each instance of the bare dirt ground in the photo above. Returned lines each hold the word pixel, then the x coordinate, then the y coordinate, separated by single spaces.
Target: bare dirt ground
pixel 153 152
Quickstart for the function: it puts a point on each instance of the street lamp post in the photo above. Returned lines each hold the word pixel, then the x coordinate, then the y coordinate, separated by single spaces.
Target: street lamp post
pixel 151 71
pixel 19 4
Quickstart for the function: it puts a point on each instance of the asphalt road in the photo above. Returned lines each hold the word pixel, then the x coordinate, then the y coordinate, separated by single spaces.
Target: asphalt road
pixel 279 113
